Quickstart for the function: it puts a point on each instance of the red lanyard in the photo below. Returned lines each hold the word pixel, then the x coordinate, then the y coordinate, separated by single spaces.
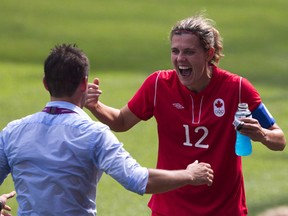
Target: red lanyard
pixel 57 110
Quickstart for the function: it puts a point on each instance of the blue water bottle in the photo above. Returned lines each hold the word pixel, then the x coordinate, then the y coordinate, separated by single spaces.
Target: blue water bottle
pixel 243 146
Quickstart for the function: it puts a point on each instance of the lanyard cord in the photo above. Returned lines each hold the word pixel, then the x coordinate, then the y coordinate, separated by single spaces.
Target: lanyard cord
pixel 57 110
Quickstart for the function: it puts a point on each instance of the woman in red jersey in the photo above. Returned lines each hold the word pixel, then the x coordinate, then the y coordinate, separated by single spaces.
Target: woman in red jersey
pixel 200 99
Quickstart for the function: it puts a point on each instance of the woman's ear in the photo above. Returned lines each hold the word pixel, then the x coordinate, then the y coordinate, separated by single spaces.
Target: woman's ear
pixel 210 54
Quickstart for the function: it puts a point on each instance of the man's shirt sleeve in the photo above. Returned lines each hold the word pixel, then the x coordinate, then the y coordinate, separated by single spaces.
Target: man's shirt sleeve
pixel 109 156
pixel 4 166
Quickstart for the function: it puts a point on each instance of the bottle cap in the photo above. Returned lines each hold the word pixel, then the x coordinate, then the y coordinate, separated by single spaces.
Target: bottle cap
pixel 238 124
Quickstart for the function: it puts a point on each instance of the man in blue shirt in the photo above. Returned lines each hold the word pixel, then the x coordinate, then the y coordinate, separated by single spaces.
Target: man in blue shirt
pixel 57 156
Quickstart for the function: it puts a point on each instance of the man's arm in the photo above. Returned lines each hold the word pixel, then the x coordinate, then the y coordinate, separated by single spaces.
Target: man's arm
pixel 160 181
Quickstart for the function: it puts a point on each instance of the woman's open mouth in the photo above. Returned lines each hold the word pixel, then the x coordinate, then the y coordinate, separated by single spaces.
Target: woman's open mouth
pixel 184 70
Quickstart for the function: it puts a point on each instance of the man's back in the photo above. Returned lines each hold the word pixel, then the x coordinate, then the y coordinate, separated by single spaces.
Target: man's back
pixel 51 164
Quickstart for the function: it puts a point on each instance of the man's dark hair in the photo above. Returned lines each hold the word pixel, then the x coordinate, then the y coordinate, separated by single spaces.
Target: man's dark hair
pixel 64 69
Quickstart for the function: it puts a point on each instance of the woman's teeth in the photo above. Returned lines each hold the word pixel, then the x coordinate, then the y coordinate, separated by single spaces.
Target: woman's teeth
pixel 184 70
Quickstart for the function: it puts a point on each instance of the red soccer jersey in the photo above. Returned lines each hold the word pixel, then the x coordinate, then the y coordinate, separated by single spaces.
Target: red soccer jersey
pixel 197 126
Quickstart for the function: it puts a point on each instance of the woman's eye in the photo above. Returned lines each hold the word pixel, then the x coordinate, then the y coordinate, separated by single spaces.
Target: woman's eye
pixel 174 51
pixel 189 52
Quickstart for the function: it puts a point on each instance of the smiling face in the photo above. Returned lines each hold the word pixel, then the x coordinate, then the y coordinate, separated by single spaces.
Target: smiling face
pixel 191 61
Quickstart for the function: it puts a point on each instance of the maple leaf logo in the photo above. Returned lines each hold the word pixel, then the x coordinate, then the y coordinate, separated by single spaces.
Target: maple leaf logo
pixel 218 104
pixel 219 107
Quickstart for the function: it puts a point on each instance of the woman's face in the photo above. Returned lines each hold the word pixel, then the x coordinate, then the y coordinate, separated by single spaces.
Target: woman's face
pixel 190 61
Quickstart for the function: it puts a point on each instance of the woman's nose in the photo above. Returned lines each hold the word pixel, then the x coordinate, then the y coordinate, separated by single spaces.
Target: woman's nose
pixel 181 57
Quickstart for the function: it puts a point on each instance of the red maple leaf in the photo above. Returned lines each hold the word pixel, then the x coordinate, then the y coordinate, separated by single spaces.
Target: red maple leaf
pixel 218 104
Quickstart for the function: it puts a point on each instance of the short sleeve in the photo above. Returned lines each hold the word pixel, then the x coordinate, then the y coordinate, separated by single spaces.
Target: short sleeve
pixel 249 94
pixel 142 103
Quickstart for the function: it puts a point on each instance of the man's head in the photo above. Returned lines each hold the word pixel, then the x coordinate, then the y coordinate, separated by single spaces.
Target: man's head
pixel 64 69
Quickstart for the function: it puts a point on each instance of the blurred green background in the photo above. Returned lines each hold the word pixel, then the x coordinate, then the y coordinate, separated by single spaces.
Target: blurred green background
pixel 127 40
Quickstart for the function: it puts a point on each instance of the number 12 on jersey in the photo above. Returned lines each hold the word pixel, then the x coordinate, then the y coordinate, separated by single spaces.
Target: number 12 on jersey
pixel 199 143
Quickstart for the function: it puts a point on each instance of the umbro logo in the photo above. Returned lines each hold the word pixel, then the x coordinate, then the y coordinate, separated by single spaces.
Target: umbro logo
pixel 178 105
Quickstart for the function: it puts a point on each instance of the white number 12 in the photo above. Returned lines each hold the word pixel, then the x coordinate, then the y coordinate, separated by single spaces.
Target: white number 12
pixel 199 143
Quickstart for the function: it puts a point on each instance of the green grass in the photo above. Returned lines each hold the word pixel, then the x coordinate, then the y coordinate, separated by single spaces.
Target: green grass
pixel 125 41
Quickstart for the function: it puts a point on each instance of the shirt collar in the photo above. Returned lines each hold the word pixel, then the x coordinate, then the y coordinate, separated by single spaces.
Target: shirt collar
pixel 67 105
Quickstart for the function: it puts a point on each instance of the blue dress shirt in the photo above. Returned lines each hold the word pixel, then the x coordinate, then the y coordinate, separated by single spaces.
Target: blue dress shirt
pixel 57 160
